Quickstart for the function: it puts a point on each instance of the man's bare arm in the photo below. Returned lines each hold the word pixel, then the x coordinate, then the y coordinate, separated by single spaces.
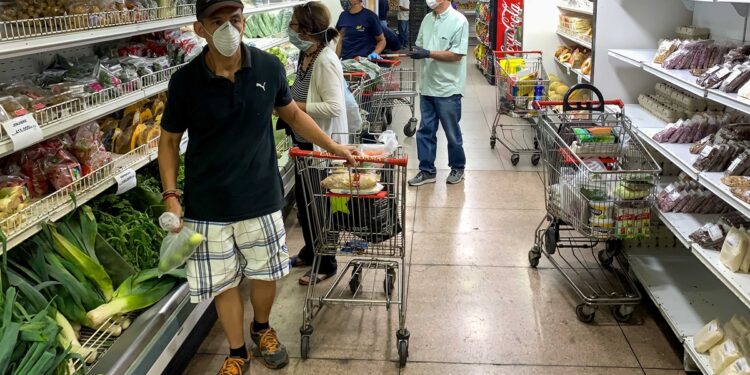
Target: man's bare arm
pixel 445 56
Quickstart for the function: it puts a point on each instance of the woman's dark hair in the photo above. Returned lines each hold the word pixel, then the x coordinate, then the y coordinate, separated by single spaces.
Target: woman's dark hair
pixel 313 18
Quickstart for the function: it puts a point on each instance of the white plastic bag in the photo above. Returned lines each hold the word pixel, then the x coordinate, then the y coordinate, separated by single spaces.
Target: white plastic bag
pixel 353 116
pixel 176 247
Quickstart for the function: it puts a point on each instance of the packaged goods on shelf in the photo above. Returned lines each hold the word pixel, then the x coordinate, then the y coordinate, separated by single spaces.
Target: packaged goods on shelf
pixel 687 196
pixel 692 32
pixel 720 151
pixel 577 25
pixel 266 24
pixel 695 128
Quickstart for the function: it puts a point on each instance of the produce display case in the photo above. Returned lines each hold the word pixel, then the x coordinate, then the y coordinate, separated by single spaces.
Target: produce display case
pixel 172 325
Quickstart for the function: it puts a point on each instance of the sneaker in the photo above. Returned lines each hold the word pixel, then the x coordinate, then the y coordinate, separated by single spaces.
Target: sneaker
pixel 268 349
pixel 455 177
pixel 422 178
pixel 234 366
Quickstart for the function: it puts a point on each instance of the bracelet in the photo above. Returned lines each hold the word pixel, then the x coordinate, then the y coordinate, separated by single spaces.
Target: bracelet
pixel 171 193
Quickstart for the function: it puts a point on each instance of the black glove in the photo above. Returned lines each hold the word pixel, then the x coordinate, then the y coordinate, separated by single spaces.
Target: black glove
pixel 419 53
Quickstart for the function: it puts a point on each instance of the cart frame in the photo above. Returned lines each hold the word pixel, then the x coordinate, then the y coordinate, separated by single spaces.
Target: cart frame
pixel 568 236
pixel 373 249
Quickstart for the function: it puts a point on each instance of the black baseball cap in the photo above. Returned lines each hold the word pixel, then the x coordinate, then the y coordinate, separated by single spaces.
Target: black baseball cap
pixel 204 8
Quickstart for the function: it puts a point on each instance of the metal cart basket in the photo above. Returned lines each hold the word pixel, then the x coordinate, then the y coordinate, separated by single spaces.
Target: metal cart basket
pixel 599 184
pixel 366 226
pixel 520 79
pixel 379 95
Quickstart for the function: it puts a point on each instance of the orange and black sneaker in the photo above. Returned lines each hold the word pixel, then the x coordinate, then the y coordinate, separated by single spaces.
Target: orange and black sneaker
pixel 268 349
pixel 234 366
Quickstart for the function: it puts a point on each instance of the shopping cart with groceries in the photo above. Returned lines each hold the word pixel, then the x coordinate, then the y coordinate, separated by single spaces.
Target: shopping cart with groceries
pixel 380 87
pixel 520 79
pixel 599 185
pixel 357 212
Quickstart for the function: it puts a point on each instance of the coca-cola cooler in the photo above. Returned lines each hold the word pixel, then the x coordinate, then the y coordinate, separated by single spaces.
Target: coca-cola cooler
pixel 499 27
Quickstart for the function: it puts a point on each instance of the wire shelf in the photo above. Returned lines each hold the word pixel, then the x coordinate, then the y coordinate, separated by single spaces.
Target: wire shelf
pixel 46 26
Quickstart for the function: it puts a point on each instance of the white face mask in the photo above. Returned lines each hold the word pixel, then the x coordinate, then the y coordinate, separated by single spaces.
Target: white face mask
pixel 432 4
pixel 226 39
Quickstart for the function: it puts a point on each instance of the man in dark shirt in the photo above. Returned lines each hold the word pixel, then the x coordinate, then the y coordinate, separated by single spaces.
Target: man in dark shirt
pixel 392 42
pixel 383 8
pixel 362 34
pixel 224 99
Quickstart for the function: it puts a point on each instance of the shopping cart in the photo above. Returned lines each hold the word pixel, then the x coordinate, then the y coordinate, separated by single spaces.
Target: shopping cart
pixel 520 79
pixel 378 95
pixel 599 184
pixel 367 226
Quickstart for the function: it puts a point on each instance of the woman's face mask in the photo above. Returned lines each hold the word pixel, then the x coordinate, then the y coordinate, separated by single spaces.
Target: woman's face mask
pixel 226 39
pixel 302 45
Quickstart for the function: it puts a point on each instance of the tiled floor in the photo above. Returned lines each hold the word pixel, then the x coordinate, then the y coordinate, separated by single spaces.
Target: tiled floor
pixel 475 307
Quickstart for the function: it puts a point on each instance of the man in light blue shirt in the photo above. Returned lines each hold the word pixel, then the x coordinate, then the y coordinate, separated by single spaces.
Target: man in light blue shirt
pixel 442 42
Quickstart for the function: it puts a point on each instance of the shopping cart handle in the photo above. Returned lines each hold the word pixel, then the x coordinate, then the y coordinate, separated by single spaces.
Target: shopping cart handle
pixel 300 153
pixel 503 53
pixel 546 103
pixel 383 62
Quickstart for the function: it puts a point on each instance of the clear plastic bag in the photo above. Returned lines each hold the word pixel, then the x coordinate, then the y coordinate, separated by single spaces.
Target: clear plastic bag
pixel 176 247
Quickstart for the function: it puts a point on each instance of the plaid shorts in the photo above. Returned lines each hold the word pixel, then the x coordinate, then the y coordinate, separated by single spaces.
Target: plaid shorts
pixel 254 248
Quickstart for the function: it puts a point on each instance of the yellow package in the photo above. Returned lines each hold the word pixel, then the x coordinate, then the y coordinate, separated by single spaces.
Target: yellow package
pixel 512 65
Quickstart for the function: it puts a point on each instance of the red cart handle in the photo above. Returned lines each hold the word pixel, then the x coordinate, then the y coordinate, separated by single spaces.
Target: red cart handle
pixel 354 74
pixel 547 103
pixel 299 153
pixel 503 53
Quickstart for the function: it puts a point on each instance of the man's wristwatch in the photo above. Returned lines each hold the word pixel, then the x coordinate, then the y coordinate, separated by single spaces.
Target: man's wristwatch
pixel 171 193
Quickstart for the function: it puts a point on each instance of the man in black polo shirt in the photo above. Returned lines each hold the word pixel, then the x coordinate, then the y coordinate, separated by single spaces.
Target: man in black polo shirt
pixel 233 192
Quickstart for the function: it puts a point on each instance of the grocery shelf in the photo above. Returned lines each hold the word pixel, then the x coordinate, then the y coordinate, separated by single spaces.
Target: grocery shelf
pixel 469 12
pixel 700 360
pixel 634 57
pixel 680 78
pixel 482 42
pixel 738 283
pixel 712 181
pixel 687 294
pixel 266 43
pixel 569 8
pixel 574 38
pixel 683 225
pixel 730 100
pixel 641 118
pixel 677 153
pixel 27 222
pixel 571 70
pixel 77 30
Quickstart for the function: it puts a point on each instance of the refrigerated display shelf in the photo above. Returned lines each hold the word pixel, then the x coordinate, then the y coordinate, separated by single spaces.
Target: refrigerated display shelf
pixel 13 44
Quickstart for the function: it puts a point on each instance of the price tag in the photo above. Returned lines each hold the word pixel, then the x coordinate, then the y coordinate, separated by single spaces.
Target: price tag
pixel 706 151
pixel 714 231
pixel 23 131
pixel 126 180
pixel 669 189
pixel 183 143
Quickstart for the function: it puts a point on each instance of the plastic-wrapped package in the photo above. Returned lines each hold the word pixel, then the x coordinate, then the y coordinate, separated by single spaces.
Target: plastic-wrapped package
pixel 88 148
pixel 12 107
pixel 62 169
pixel 738 367
pixel 734 249
pixel 723 355
pixel 666 48
pixel 708 336
pixel 710 236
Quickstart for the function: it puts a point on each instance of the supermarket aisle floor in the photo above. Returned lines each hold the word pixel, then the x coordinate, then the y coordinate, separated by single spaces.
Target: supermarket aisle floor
pixel 475 307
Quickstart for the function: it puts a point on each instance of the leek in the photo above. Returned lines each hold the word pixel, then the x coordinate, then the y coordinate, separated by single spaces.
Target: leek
pixel 136 292
pixel 68 338
pixel 93 271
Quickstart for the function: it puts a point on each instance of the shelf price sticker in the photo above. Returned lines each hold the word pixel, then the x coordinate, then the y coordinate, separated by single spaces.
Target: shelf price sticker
pixel 126 180
pixel 183 143
pixel 23 131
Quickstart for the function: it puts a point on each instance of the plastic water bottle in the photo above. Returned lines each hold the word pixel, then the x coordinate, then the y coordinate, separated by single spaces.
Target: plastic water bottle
pixel 169 221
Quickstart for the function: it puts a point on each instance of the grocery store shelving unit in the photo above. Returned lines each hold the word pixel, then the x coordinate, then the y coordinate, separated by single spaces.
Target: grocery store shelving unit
pixel 688 283
pixel 158 332
pixel 571 39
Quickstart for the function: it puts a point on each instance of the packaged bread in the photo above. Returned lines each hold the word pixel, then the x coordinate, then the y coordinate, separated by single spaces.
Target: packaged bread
pixel 723 355
pixel 708 336
pixel 349 181
pixel 734 249
pixel 738 367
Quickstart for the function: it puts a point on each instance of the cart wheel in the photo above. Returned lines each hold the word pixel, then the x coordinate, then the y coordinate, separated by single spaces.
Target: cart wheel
pixel 492 144
pixel 388 115
pixel 585 313
pixel 304 346
pixel 411 128
pixel 355 281
pixel 535 159
pixel 390 281
pixel 534 256
pixel 622 313
pixel 605 259
pixel 514 159
pixel 403 352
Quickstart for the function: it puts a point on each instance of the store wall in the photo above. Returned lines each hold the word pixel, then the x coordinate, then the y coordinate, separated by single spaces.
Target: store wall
pixel 633 24
pixel 725 23
pixel 539 31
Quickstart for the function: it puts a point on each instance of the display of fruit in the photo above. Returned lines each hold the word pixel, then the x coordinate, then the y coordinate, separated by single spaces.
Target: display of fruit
pixel 586 67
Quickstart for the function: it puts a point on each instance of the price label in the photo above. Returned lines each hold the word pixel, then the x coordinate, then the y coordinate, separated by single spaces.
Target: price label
pixel 714 231
pixel 126 180
pixel 183 143
pixel 706 151
pixel 23 131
